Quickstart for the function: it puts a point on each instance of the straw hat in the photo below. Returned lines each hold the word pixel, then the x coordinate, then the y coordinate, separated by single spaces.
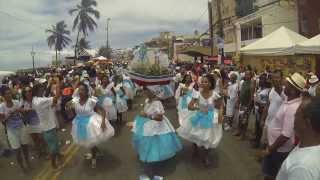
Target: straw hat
pixel 310 73
pixel 297 80
pixel 314 79
pixel 216 71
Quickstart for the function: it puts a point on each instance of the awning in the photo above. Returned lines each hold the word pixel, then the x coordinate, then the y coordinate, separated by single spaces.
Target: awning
pixel 310 46
pixel 214 59
pixel 281 42
pixel 100 58
pixel 198 51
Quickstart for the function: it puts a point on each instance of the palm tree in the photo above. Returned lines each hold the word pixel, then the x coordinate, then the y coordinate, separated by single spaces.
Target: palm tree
pixel 84 20
pixel 58 38
pixel 84 44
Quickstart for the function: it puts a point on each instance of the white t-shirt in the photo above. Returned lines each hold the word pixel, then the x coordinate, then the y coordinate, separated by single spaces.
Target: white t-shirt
pixel 15 121
pixel 45 111
pixel 313 90
pixel 301 164
pixel 275 101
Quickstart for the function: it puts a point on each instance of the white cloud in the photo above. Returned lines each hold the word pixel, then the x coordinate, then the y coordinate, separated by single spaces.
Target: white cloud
pixel 132 22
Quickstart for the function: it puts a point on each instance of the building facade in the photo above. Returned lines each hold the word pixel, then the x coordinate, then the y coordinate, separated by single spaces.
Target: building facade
pixel 245 21
pixel 309 17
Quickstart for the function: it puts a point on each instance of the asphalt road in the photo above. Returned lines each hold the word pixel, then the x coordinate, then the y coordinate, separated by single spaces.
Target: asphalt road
pixel 233 160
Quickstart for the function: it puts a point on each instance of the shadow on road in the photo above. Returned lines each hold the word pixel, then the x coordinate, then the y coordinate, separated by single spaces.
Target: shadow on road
pixel 105 164
pixel 164 168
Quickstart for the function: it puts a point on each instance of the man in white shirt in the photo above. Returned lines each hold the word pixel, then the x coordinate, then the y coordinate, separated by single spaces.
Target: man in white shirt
pixel 303 163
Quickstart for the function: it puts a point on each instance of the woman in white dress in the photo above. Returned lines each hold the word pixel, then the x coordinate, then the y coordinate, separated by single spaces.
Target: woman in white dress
pixel 129 89
pixel 90 127
pixel 204 127
pixel 154 137
pixel 121 102
pixel 107 98
pixel 183 97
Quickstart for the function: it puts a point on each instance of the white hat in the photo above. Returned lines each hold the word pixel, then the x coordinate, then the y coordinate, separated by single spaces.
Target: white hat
pixel 314 79
pixel 42 81
pixel 198 61
pixel 177 68
pixel 298 81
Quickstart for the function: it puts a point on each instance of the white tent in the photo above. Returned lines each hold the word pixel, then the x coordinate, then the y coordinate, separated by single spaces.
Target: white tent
pixel 100 58
pixel 310 46
pixel 279 43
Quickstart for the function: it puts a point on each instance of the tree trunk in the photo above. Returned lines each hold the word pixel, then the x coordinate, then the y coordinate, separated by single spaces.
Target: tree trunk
pixel 56 58
pixel 75 48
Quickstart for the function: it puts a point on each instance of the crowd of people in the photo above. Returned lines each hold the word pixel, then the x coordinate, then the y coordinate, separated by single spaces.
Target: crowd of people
pixel 209 101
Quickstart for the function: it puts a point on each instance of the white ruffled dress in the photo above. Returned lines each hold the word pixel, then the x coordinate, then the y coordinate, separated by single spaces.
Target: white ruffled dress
pixel 153 140
pixel 121 99
pixel 203 129
pixel 182 101
pixel 86 126
pixel 128 87
pixel 108 102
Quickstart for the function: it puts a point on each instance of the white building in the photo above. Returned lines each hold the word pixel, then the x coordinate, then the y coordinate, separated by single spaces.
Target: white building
pixel 245 21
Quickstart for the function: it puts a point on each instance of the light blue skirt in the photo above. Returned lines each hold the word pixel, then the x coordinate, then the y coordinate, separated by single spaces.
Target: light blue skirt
pixel 154 148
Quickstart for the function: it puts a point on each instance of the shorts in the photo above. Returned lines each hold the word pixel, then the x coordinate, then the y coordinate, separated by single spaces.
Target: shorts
pixel 272 163
pixel 34 129
pixel 51 138
pixel 18 137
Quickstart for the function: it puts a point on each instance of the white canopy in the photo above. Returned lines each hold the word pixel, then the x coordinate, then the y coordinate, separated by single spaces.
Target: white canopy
pixel 310 46
pixel 101 58
pixel 279 43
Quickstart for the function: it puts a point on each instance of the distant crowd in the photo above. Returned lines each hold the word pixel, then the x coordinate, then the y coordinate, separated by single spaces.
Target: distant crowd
pixel 276 113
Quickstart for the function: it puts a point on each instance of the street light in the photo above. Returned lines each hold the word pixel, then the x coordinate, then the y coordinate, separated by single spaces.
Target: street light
pixel 108 20
pixel 33 54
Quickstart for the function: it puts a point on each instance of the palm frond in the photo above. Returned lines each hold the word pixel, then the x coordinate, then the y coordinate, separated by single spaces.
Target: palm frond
pixel 75 22
pixel 94 12
pixel 71 11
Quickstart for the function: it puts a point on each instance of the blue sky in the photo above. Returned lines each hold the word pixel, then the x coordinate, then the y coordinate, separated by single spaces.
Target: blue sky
pixel 23 25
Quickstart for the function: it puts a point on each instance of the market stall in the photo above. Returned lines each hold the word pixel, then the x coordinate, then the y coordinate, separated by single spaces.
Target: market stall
pixel 278 51
pixel 311 47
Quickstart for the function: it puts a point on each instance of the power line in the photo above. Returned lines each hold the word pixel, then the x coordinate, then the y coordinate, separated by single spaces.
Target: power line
pixel 199 18
pixel 24 21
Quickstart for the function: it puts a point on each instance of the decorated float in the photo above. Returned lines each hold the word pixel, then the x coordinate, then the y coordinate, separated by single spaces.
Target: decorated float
pixel 149 67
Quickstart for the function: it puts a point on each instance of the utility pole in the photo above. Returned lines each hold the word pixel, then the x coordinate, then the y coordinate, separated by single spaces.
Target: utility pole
pixel 33 54
pixel 108 20
pixel 220 32
pixel 210 25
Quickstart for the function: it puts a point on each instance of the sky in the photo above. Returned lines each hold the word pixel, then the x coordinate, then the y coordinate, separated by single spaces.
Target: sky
pixel 23 25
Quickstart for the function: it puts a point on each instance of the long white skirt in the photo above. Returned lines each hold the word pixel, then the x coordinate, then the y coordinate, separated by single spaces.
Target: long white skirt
pixel 202 137
pixel 230 107
pixel 110 109
pixel 94 134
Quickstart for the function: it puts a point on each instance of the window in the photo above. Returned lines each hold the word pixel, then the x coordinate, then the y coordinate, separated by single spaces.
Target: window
pixel 305 25
pixel 252 30
pixel 257 31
